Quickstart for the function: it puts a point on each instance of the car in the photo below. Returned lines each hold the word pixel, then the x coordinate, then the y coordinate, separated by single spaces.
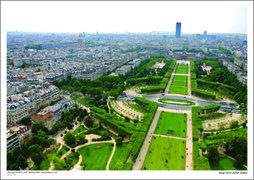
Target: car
pixel 184 97
pixel 162 94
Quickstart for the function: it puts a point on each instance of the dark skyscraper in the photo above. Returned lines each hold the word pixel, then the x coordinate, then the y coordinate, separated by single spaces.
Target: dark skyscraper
pixel 178 30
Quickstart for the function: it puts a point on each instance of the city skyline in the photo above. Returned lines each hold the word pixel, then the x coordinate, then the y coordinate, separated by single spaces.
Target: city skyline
pixel 109 17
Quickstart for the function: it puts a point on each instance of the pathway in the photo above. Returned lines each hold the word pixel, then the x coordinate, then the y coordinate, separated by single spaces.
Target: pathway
pixel 189 158
pixel 142 154
pixel 173 137
pixel 170 80
pixel 112 154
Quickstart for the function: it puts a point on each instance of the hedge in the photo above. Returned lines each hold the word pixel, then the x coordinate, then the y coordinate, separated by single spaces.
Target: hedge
pixel 191 66
pixel 128 166
pixel 159 88
pixel 197 123
pixel 137 145
pixel 221 86
pixel 193 75
pixel 124 156
pixel 199 163
pixel 203 94
pixel 210 108
pixel 172 65
pixel 156 80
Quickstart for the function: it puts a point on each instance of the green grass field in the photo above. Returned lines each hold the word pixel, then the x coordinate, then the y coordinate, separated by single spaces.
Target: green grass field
pixel 116 156
pixel 178 77
pixel 225 164
pixel 179 83
pixel 44 166
pixel 96 159
pixel 178 90
pixel 172 121
pixel 79 129
pixel 85 102
pixel 162 148
pixel 182 69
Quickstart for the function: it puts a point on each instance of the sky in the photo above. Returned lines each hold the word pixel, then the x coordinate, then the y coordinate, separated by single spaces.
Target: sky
pixel 123 16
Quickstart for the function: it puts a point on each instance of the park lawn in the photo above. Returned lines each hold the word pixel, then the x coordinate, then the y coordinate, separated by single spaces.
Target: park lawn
pixel 64 149
pixel 179 83
pixel 225 164
pixel 172 121
pixel 85 102
pixel 178 90
pixel 178 77
pixel 116 156
pixel 79 129
pixel 159 150
pixel 181 71
pixel 44 166
pixel 96 159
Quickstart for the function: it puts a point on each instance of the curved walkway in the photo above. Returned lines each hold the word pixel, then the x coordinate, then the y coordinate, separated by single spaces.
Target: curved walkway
pixel 112 154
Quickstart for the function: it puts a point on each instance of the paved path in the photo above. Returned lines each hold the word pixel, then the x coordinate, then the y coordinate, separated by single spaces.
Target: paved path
pixel 142 154
pixel 112 154
pixel 189 157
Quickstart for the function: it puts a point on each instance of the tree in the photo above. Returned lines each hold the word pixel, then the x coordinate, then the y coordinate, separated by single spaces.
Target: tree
pixel 59 163
pixel 213 155
pixel 96 125
pixel 71 90
pixel 70 126
pixel 17 151
pixel 127 119
pixel 104 135
pixel 36 126
pixel 63 115
pixel 10 158
pixel 238 163
pixel 37 158
pixel 80 119
pixel 81 138
pixel 83 90
pixel 22 162
pixel 233 125
pixel 222 126
pixel 25 121
pixel 41 133
pixel 96 83
pixel 56 83
pixel 77 84
pixel 14 167
pixel 69 139
pixel 119 140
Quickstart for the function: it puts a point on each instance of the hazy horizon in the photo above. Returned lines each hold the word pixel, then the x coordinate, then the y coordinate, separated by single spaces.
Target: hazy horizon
pixel 122 16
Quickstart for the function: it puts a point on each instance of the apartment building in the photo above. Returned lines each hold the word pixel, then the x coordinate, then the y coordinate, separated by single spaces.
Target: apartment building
pixel 12 140
pixel 23 132
pixel 23 105
pixel 52 115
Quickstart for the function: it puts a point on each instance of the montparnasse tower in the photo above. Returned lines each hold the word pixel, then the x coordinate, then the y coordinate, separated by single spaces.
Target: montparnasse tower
pixel 79 41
